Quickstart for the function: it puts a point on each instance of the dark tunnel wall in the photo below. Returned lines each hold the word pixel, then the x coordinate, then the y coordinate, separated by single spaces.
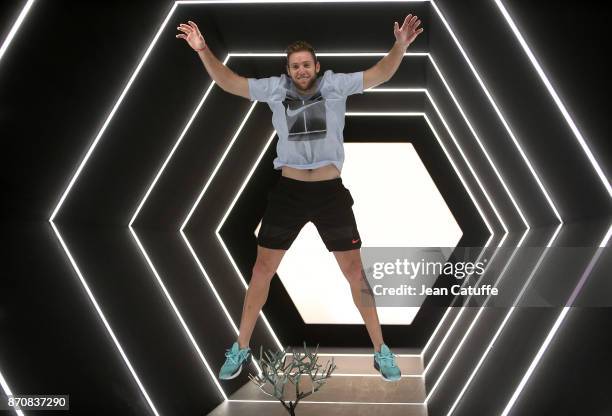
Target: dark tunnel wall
pixel 63 74
pixel 571 182
pixel 527 107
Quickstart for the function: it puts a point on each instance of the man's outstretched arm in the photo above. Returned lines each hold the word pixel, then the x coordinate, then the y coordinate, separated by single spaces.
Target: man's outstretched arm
pixel 386 67
pixel 227 79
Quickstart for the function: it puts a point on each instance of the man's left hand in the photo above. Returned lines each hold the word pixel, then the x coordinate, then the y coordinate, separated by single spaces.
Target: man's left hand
pixel 406 34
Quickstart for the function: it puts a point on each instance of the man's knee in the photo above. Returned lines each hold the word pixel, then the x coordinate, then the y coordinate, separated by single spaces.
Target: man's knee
pixel 354 272
pixel 263 271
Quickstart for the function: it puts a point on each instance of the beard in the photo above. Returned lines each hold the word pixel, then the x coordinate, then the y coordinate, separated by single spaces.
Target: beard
pixel 311 82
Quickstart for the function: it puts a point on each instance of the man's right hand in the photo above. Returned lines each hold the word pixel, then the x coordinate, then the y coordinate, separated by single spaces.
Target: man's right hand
pixel 192 35
pixel 226 79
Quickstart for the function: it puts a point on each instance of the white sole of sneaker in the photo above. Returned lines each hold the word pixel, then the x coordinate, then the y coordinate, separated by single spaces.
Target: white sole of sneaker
pixel 233 376
pixel 389 381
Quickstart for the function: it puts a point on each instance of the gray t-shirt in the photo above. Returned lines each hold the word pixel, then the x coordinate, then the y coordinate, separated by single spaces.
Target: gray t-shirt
pixel 309 128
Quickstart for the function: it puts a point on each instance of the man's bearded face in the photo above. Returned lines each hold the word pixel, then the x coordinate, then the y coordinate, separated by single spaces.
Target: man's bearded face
pixel 303 70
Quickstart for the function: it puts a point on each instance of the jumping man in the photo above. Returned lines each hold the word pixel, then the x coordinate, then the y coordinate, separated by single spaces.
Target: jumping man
pixel 308 114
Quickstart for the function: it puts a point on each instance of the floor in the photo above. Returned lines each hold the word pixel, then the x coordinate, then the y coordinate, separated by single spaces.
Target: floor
pixel 355 388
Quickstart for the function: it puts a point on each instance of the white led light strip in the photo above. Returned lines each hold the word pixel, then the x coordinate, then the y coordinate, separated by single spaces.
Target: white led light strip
pixel 315 402
pixel 452 325
pixel 357 355
pixel 373 375
pixel 505 320
pixel 178 314
pixel 489 159
pixel 103 319
pixel 499 330
pixel 150 263
pixel 65 195
pixel 15 28
pixel 472 324
pixel 448 309
pixel 555 97
pixel 192 251
pixel 7 391
pixel 499 114
pixel 557 324
pixel 3 48
pixel 112 113
pixel 191 211
pixel 187 2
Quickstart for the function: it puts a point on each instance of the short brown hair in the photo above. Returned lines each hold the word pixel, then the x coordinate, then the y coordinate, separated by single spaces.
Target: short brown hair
pixel 299 46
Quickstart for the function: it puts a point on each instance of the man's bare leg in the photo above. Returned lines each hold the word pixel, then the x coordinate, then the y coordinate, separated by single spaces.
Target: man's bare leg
pixel 265 267
pixel 363 297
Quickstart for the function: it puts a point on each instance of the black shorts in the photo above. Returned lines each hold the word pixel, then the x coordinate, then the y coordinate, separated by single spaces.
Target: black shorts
pixel 293 203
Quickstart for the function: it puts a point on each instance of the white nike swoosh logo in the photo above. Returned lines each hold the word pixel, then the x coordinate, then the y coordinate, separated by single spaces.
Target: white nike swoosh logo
pixel 292 113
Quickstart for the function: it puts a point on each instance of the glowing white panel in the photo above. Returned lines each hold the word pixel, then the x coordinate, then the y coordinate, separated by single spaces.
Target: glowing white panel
pixel 397 204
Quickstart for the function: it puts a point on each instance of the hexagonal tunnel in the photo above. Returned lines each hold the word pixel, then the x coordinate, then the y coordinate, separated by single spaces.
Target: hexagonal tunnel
pixel 417 154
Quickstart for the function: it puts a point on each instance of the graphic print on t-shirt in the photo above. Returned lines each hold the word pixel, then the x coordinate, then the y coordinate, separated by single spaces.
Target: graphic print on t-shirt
pixel 305 118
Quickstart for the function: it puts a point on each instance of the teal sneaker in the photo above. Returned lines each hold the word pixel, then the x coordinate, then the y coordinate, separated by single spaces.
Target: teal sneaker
pixel 384 362
pixel 232 366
